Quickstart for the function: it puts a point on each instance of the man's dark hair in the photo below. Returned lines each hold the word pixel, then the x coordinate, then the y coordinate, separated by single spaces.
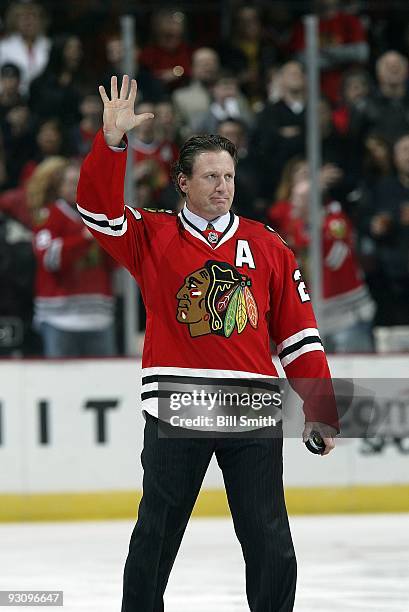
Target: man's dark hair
pixel 193 147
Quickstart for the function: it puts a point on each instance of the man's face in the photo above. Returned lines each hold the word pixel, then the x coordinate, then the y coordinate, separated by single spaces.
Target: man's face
pixel 114 50
pixel 292 77
pixel 205 65
pixel 356 88
pixel 392 69
pixel 210 190
pixel 49 138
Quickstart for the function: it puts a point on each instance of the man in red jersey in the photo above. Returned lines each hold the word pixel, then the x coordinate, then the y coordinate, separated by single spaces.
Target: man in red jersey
pixel 216 288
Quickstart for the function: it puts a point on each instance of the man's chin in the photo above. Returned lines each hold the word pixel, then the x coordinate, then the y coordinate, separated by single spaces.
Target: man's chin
pixel 220 207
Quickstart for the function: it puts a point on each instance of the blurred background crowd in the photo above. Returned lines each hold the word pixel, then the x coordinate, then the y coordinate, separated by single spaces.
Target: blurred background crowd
pixel 232 68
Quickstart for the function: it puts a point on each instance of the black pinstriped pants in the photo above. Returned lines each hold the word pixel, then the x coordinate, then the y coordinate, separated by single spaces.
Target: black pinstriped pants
pixel 173 473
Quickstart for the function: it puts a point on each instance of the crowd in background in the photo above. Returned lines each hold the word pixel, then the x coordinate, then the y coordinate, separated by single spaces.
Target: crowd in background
pixel 249 86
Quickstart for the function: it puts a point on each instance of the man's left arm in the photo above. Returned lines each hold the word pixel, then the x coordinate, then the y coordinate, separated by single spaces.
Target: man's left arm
pixel 294 330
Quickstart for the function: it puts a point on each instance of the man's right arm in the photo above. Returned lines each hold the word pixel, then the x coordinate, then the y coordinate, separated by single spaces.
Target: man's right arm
pixel 100 202
pixel 118 228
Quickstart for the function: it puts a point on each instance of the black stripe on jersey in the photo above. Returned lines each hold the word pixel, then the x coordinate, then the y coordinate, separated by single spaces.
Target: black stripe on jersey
pixel 115 228
pixel 200 231
pixel 297 345
pixel 246 383
pixel 156 393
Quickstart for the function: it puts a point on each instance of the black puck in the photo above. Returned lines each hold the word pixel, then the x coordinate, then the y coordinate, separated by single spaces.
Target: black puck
pixel 315 443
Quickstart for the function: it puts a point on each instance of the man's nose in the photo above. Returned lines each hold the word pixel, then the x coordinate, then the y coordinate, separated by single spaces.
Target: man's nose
pixel 222 185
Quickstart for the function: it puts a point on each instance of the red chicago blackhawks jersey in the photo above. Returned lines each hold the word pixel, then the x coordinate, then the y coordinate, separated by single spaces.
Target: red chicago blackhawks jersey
pixel 73 276
pixel 212 306
pixel 346 299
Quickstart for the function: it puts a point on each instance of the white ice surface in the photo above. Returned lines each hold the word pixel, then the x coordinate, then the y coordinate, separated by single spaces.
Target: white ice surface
pixel 345 563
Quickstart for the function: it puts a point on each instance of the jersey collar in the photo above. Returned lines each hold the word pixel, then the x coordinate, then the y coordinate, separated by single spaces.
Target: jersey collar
pixel 219 224
pixel 227 224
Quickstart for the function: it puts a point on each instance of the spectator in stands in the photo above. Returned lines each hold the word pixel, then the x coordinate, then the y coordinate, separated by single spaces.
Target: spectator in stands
pixel 279 132
pixel 245 201
pixel 376 165
pixel 343 44
pixel 149 87
pixel 378 158
pixel 50 140
pixel 73 302
pixel 227 102
pixel 193 101
pixel 19 211
pixel 145 195
pixel 347 309
pixel 57 91
pixel 388 114
pixel 166 122
pixel 350 117
pixel 16 288
pixel 10 95
pixel 167 132
pixel 279 27
pixel 246 54
pixel 18 142
pixel 153 157
pixel 83 134
pixel 338 156
pixel 25 43
pixel 389 227
pixel 168 56
pixel 27 203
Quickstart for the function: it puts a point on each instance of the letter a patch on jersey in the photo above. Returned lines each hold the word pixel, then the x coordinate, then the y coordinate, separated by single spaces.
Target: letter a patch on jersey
pixel 244 255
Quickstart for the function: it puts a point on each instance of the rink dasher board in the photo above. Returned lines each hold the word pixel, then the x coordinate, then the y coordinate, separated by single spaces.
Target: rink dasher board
pixel 55 462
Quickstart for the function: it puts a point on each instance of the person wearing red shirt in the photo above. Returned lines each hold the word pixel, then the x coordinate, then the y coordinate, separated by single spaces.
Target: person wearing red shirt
pixel 74 306
pixel 216 287
pixel 343 44
pixel 347 308
pixel 168 57
pixel 153 152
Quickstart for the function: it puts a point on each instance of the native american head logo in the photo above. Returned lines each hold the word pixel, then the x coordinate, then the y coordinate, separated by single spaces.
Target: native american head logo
pixel 216 299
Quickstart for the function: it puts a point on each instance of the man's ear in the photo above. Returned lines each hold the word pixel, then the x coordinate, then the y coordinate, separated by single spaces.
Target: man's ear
pixel 182 182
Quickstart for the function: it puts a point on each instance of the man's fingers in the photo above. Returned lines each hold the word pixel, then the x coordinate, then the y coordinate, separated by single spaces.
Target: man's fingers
pixel 143 117
pixel 307 431
pixel 329 445
pixel 103 94
pixel 114 88
pixel 132 92
pixel 124 87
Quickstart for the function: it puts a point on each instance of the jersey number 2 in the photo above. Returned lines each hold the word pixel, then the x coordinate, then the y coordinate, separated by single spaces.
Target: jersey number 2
pixel 301 288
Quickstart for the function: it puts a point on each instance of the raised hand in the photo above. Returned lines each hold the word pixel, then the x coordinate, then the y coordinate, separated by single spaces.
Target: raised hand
pixel 119 111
